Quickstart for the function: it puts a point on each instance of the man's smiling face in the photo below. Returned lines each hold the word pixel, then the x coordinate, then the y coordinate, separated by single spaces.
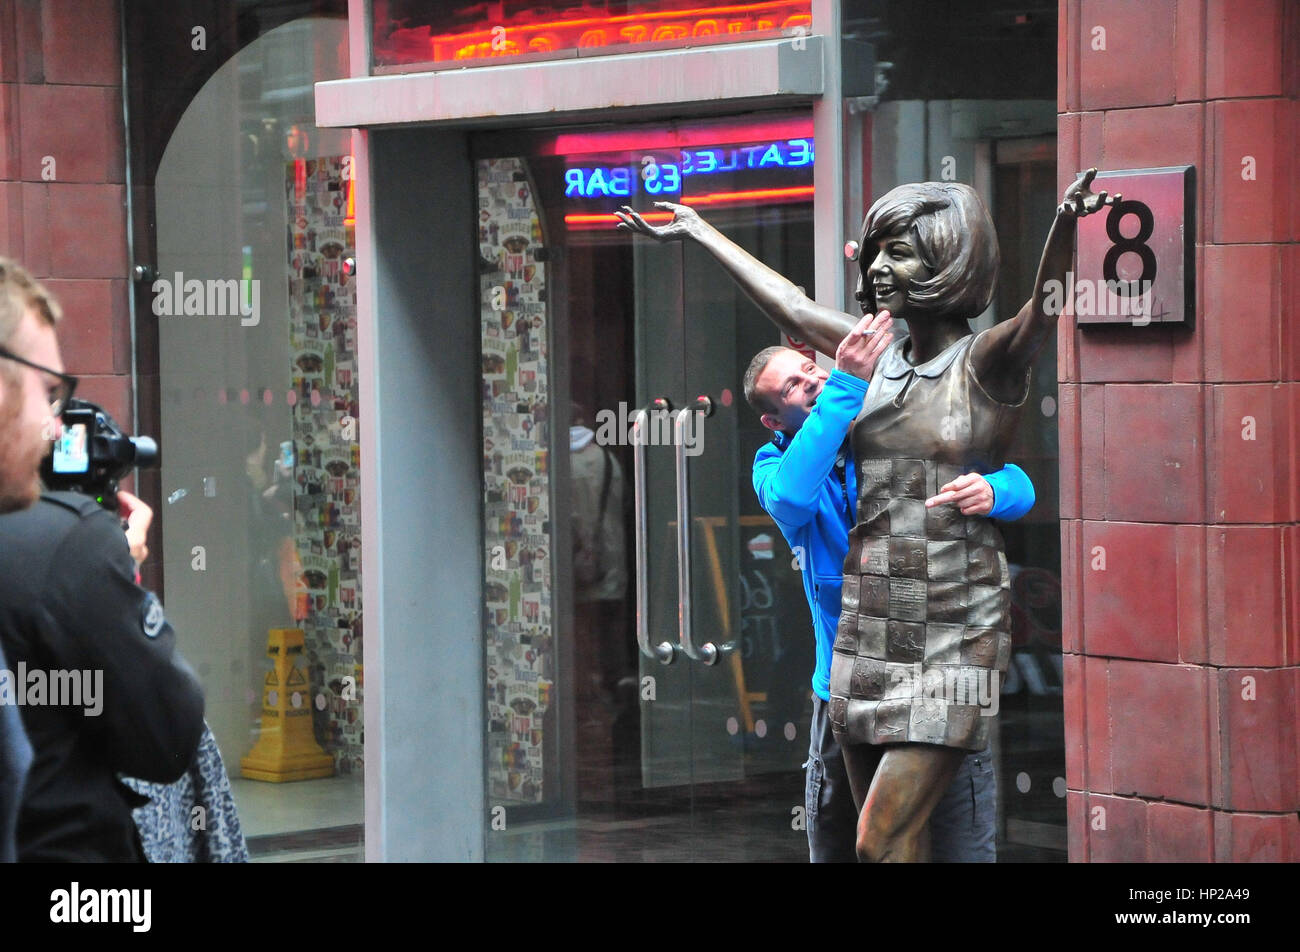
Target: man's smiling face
pixel 791 384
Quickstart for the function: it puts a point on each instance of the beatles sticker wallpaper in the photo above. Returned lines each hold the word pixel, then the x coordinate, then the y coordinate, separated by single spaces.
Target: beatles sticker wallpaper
pixel 517 614
pixel 326 451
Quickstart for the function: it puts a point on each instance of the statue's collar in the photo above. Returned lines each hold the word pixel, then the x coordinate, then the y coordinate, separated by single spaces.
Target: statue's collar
pixel 895 366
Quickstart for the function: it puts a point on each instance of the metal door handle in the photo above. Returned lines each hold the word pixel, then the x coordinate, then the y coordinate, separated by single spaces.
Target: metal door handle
pixel 708 652
pixel 662 652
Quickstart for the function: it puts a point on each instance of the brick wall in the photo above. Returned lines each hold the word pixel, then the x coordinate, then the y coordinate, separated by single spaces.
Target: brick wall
pixel 63 196
pixel 62 191
pixel 1183 654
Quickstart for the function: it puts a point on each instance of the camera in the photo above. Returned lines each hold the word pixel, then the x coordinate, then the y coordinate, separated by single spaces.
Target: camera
pixel 93 453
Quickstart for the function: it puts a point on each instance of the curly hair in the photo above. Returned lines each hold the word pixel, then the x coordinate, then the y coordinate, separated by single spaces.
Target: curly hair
pixel 954 237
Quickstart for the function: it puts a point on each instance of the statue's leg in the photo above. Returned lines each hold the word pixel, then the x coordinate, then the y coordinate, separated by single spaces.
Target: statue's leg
pixel 860 762
pixel 908 783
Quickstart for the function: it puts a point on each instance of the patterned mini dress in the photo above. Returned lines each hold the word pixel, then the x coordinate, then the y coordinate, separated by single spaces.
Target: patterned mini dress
pixel 924 619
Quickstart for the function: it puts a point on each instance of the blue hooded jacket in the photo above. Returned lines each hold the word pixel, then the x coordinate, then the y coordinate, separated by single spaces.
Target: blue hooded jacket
pixel 813 501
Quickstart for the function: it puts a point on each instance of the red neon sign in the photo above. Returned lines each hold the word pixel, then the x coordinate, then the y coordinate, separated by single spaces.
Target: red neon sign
pixel 642 139
pixel 772 196
pixel 585 26
pixel 349 183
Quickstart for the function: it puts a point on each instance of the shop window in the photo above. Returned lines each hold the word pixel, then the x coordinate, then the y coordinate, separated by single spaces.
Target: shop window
pixel 255 319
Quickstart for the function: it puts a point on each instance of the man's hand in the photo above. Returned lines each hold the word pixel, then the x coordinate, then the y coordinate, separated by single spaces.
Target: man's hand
pixel 685 222
pixel 971 492
pixel 859 351
pixel 138 516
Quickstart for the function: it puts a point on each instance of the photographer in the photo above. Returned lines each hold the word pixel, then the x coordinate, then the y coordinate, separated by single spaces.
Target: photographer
pixel 27 319
pixel 73 615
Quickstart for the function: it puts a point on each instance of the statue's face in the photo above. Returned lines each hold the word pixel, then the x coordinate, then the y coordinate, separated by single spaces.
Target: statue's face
pixel 895 265
pixel 792 383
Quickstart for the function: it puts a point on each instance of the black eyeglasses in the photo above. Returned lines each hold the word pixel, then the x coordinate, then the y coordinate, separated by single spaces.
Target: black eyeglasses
pixel 59 393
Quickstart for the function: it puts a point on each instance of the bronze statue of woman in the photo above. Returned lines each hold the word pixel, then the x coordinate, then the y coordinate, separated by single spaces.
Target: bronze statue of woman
pixel 924 625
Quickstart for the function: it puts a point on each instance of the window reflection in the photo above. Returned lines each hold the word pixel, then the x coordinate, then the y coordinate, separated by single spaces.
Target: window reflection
pixel 261 524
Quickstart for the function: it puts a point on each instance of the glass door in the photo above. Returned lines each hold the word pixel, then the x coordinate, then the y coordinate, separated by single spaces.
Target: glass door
pixel 246 350
pixel 677 682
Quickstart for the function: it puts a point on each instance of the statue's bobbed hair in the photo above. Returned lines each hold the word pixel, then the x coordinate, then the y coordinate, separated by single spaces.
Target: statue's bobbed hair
pixel 954 237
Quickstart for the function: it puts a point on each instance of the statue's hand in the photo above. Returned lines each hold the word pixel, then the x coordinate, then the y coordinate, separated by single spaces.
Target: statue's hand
pixel 970 493
pixel 684 222
pixel 1080 200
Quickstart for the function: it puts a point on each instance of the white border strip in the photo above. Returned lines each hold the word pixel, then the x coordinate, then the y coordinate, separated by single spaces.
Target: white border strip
pixel 772 68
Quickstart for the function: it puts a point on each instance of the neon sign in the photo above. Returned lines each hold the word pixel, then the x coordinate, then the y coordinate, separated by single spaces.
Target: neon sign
pixel 752 196
pixel 405 34
pixel 658 177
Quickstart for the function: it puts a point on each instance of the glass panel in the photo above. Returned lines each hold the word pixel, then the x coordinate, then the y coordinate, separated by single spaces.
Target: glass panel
pixel 1032 774
pixel 415 32
pixel 938 51
pixel 754 588
pixel 635 758
pixel 666 711
pixel 256 359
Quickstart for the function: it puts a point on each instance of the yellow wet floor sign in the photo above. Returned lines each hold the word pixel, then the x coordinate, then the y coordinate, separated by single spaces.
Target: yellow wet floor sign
pixel 286 749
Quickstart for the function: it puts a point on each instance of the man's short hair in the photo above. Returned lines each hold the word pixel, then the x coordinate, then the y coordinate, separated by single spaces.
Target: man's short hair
pixel 756 366
pixel 19 291
pixel 954 237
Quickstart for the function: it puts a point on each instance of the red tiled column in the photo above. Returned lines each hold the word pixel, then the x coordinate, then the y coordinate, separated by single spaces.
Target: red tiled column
pixel 62 180
pixel 1179 448
pixel 62 187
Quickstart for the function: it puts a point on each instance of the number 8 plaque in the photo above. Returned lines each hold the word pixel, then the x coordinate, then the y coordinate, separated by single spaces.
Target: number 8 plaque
pixel 1136 263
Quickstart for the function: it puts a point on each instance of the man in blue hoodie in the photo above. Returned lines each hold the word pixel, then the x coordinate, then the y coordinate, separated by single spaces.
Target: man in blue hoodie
pixel 806 482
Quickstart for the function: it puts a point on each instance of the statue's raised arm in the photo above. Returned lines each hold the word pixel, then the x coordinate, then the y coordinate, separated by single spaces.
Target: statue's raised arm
pixel 1004 355
pixel 1001 358
pixel 783 303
